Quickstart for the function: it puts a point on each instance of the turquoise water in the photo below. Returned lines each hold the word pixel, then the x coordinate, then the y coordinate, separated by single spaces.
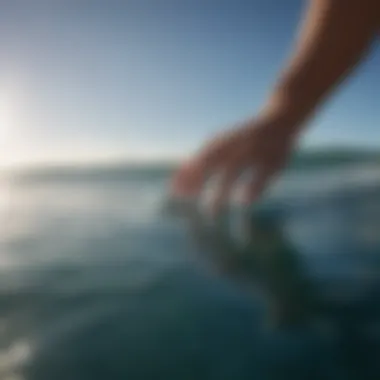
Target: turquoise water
pixel 96 284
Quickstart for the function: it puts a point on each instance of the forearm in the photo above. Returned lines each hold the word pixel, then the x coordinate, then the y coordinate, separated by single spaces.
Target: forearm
pixel 334 37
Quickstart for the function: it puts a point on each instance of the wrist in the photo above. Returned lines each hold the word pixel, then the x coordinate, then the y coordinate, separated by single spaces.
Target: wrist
pixel 286 116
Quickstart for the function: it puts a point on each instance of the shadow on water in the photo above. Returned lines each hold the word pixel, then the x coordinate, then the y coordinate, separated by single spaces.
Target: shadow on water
pixel 102 288
pixel 139 319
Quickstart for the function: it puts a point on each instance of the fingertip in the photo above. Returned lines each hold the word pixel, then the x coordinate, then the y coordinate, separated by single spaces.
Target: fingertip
pixel 180 191
pixel 186 182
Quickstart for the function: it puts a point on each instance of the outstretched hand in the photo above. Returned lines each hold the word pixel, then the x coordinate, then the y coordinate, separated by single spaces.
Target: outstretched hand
pixel 261 145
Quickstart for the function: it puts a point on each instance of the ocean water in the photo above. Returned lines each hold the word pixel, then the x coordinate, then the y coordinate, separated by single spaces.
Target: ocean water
pixel 96 283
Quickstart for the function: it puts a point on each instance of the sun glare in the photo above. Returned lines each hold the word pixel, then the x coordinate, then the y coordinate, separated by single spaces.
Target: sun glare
pixel 7 127
pixel 6 117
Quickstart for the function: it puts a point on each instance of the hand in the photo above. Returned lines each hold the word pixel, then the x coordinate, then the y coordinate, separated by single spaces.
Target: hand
pixel 263 145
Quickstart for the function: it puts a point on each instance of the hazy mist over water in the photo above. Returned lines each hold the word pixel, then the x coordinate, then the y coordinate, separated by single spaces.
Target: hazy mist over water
pixel 96 284
pixel 96 281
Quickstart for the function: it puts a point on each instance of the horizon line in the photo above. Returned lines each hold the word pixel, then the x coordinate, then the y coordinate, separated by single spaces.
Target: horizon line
pixel 152 161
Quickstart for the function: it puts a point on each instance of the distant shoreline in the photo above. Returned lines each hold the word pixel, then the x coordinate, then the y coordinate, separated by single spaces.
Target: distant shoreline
pixel 310 159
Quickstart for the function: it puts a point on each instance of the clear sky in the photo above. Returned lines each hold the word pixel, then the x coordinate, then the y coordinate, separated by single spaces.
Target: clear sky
pixel 97 79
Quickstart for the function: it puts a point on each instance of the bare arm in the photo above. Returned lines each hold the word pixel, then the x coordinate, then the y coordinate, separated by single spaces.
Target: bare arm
pixel 333 38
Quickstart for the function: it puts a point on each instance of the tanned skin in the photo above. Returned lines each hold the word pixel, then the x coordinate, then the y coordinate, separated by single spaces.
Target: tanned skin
pixel 334 37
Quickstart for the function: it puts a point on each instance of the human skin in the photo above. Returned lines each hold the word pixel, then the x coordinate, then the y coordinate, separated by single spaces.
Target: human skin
pixel 334 37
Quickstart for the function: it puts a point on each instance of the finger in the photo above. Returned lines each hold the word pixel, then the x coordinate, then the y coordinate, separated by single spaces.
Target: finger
pixel 258 184
pixel 190 178
pixel 216 152
pixel 229 177
pixel 187 180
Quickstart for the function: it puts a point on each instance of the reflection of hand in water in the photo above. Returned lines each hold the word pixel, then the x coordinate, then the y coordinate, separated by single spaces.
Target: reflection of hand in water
pixel 266 259
pixel 279 269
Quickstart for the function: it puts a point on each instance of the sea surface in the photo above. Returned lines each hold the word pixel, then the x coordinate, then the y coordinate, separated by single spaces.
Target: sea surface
pixel 96 283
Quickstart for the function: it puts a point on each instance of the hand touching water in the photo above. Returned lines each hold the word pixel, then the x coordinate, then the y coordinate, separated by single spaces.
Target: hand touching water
pixel 325 53
pixel 263 145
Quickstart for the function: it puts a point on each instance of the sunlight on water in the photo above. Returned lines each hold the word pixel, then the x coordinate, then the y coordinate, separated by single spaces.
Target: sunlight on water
pixel 13 358
pixel 86 258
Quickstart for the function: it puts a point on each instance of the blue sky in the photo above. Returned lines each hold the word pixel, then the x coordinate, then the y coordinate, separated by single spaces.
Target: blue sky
pixel 146 79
